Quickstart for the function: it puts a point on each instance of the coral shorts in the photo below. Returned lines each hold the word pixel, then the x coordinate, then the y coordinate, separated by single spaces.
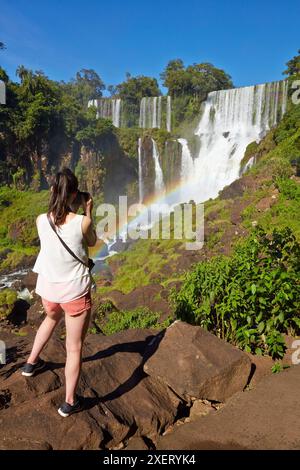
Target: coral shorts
pixel 73 307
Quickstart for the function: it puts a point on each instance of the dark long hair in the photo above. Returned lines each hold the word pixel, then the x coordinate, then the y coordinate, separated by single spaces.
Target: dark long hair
pixel 64 185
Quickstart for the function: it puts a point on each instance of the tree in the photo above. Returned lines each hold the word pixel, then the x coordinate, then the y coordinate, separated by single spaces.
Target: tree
pixel 173 66
pixel 112 90
pixel 195 80
pixel 135 88
pixel 86 86
pixel 204 78
pixel 293 65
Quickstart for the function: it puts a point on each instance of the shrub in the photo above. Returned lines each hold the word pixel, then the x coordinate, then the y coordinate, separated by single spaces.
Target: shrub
pixel 288 188
pixel 249 299
pixel 8 298
pixel 140 317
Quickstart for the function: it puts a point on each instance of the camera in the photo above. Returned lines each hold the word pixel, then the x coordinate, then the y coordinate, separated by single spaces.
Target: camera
pixel 80 200
pixel 84 195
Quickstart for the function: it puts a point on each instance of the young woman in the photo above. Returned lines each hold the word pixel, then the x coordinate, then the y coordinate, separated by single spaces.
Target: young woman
pixel 63 282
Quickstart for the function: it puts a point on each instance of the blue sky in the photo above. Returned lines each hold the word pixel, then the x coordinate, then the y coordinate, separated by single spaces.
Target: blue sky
pixel 251 40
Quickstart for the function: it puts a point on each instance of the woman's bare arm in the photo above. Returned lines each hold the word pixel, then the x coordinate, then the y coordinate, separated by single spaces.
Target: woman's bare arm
pixel 88 228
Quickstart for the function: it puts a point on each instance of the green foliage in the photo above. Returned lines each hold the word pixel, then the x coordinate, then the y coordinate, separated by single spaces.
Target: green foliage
pixel 80 172
pixel 94 131
pixel 87 85
pixel 42 118
pixel 278 367
pixel 293 65
pixel 130 319
pixel 195 80
pixel 250 151
pixel 135 88
pixel 131 91
pixel 7 299
pixel 250 298
pixel 288 188
pixel 18 233
pixel 18 178
pixel 288 131
pixel 128 139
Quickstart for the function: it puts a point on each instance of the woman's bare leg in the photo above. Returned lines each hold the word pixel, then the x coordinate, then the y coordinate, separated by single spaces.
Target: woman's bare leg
pixel 44 334
pixel 76 327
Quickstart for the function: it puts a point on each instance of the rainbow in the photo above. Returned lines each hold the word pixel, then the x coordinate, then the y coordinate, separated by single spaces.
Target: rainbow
pixel 171 197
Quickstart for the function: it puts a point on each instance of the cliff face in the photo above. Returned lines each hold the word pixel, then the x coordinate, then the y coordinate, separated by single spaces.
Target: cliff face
pixel 104 168
pixel 169 152
pixel 171 162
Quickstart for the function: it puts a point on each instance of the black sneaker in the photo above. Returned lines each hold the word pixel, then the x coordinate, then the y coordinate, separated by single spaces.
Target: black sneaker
pixel 30 369
pixel 66 409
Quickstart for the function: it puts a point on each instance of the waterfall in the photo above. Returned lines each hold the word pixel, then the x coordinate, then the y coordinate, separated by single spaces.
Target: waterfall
pixel 187 169
pixel 230 120
pixel 284 97
pixel 151 112
pixel 159 180
pixel 159 112
pixel 154 112
pixel 116 108
pixel 187 162
pixel 141 189
pixel 169 113
pixel 142 120
pixel 108 108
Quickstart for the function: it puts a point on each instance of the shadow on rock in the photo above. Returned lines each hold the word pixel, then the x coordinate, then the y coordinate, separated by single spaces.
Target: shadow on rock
pixel 145 348
pixel 18 315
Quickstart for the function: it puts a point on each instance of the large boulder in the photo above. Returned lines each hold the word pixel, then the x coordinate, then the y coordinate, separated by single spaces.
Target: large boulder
pixel 266 418
pixel 120 400
pixel 195 363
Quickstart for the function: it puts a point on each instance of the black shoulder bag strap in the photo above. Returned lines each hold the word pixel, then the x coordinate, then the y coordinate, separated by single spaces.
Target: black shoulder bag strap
pixel 63 243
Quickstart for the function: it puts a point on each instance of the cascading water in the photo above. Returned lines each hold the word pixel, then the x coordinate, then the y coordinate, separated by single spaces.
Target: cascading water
pixel 159 179
pixel 116 111
pixel 169 113
pixel 231 119
pixel 187 168
pixel 151 112
pixel 141 189
pixel 108 108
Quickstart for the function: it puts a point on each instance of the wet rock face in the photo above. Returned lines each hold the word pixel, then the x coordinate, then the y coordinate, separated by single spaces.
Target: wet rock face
pixel 170 162
pixel 148 167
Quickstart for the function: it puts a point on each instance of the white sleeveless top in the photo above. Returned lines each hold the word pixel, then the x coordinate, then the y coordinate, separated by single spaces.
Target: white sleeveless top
pixel 61 277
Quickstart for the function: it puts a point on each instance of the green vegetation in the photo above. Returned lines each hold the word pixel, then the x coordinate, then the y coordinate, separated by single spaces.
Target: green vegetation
pixel 194 80
pixel 278 367
pixel 129 319
pixel 45 119
pixel 250 298
pixel 131 91
pixel 40 119
pixel 128 139
pixel 189 87
pixel 7 299
pixel 18 233
pixel 293 65
pixel 141 263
